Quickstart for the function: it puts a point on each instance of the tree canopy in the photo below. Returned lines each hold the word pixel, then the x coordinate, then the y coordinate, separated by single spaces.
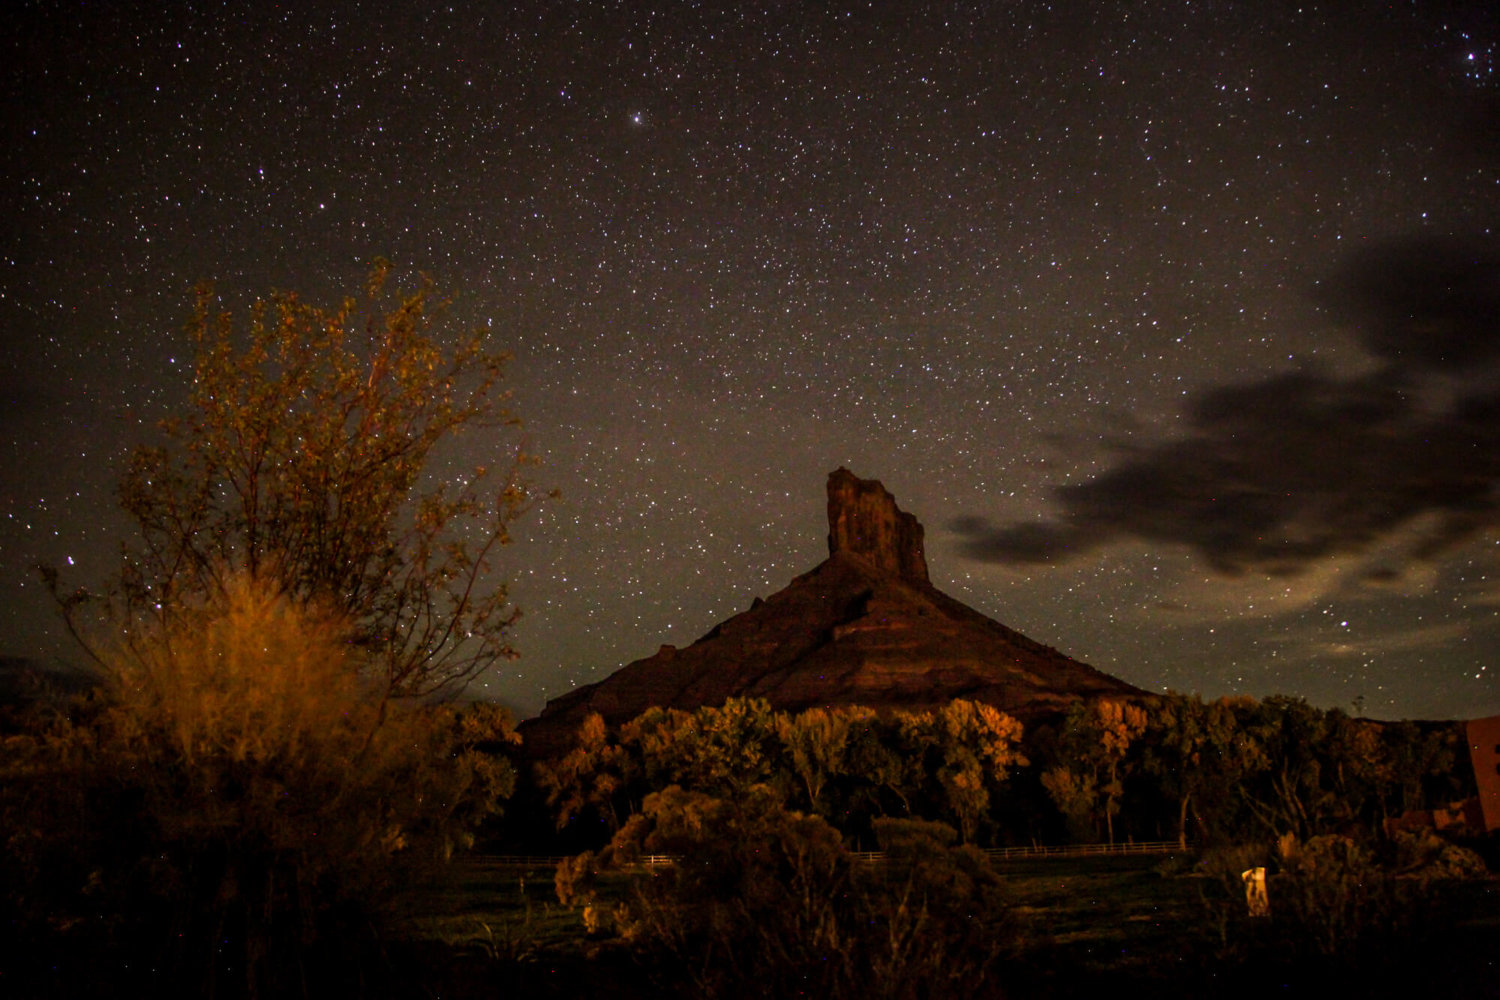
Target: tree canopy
pixel 259 774
pixel 304 457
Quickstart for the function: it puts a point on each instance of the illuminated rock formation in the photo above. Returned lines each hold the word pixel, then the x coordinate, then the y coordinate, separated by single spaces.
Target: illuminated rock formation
pixel 864 627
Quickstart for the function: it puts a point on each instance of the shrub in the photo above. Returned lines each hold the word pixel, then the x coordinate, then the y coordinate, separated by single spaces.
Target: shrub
pixel 1337 915
pixel 235 808
pixel 763 901
pixel 1424 854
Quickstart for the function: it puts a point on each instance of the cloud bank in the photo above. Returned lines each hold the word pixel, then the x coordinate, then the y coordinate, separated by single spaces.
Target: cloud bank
pixel 1278 473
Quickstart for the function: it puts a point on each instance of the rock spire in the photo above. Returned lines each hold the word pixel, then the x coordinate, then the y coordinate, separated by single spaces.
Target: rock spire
pixel 864 521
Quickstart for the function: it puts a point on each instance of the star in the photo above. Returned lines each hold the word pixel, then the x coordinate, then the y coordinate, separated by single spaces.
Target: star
pixel 1091 312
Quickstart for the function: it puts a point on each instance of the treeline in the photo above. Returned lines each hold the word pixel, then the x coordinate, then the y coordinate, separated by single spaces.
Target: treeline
pixel 1173 766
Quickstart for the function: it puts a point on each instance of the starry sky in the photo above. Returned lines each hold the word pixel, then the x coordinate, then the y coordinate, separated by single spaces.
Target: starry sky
pixel 1174 322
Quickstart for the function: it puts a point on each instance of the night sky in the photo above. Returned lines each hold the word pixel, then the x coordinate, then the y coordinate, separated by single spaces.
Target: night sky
pixel 1174 323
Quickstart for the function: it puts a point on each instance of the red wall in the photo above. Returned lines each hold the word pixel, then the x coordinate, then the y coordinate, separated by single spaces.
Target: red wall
pixel 1484 751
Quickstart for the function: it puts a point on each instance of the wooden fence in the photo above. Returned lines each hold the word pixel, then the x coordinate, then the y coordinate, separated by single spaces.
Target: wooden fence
pixel 1059 851
pixel 1086 850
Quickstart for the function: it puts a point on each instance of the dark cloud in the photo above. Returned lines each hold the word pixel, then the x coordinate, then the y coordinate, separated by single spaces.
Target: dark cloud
pixel 1429 302
pixel 1290 469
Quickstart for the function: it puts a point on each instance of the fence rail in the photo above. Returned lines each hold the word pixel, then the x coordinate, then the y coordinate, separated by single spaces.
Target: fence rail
pixel 1086 850
pixel 875 857
pixel 1059 850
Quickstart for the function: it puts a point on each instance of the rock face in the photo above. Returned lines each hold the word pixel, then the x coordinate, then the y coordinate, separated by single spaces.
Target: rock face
pixel 864 521
pixel 865 627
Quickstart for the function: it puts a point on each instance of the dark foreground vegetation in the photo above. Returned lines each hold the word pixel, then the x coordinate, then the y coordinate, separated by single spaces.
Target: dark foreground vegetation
pixel 1074 928
pixel 263 793
pixel 257 840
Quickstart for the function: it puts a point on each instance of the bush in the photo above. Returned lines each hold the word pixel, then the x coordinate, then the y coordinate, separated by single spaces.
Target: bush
pixel 763 901
pixel 234 811
pixel 1332 899
pixel 1338 914
pixel 1424 854
pixel 938 915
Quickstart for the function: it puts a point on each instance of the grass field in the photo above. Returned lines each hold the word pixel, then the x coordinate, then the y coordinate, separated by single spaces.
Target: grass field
pixel 1093 926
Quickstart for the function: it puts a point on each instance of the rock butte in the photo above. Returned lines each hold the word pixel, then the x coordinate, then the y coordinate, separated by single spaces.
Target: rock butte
pixel 865 627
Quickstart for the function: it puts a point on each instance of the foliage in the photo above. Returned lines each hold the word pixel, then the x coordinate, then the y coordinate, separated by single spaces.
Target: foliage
pixel 945 922
pixel 1335 901
pixel 1424 854
pixel 1295 796
pixel 1361 916
pixel 303 458
pixel 1221 772
pixel 1201 756
pixel 1075 795
pixel 589 776
pixel 818 744
pixel 765 901
pixel 234 803
pixel 722 750
pixel 978 745
pixel 1244 770
pixel 1098 736
pixel 839 762
pixel 575 878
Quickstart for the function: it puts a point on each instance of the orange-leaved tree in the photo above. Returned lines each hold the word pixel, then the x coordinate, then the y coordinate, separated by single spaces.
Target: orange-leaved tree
pixel 303 458
pixel 301 583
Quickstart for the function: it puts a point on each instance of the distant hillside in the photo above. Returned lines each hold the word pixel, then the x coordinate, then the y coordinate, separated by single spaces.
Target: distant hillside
pixel 25 681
